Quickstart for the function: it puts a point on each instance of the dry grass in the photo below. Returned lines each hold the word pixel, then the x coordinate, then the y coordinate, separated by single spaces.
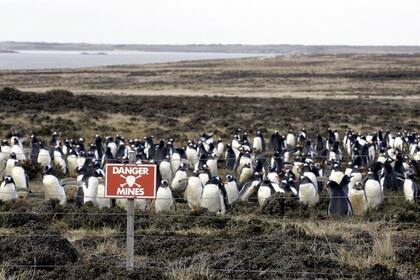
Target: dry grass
pixel 198 269
pixel 108 247
pixel 79 234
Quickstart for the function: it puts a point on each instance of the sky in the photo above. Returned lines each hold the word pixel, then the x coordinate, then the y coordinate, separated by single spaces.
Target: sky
pixel 319 22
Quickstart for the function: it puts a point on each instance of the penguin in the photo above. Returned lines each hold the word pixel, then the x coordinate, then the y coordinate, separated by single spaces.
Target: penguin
pixel 339 202
pixel 166 170
pixel 44 157
pixel 411 188
pixel 101 200
pixel 290 140
pixel 231 189
pixel 258 144
pixel 5 149
pixel 230 157
pixel 18 150
pixel 204 175
pixel 20 179
pixel 180 180
pixel 164 201
pixel 7 189
pixel 251 187
pixel 52 187
pixel 308 194
pixel 99 149
pixel 112 146
pixel 307 172
pixel 54 142
pixel 212 198
pixel 373 190
pixel 288 186
pixel 108 157
pixel 212 165
pixel 34 149
pixel 246 174
pixel 91 189
pixel 59 159
pixel 192 156
pixel 175 161
pixel 358 200
pixel 220 148
pixel 194 191
pixel 265 191
pixel 72 160
pixel 336 174
pixel 10 163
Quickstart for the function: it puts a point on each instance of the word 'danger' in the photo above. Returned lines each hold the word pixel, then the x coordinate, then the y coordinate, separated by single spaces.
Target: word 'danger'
pixel 130 180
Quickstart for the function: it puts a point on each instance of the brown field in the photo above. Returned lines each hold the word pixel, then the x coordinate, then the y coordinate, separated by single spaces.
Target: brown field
pixel 283 240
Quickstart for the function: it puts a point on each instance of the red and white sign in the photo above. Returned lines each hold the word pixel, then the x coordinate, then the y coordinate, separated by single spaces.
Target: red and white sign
pixel 130 180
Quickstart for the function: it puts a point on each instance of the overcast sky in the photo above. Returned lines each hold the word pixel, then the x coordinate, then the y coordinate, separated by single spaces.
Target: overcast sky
pixel 354 22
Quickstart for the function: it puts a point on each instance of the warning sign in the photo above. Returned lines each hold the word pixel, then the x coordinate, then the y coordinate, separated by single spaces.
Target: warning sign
pixel 130 180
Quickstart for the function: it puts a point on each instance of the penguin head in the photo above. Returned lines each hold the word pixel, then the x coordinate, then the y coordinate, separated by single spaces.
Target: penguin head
pixel 164 183
pixel 229 178
pixel 15 141
pixel 4 142
pixel 358 186
pixel 9 180
pixel 12 155
pixel 98 173
pixel 48 170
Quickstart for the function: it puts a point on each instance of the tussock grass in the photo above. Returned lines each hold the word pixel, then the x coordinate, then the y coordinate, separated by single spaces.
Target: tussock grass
pixel 196 269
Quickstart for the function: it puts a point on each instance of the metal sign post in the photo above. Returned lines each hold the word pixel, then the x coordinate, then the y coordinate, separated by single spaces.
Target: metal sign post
pixel 130 221
pixel 130 181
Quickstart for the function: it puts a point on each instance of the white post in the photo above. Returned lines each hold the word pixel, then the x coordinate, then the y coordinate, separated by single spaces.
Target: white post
pixel 130 222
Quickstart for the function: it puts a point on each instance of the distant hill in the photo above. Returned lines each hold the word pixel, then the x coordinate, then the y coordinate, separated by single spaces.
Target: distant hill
pixel 267 49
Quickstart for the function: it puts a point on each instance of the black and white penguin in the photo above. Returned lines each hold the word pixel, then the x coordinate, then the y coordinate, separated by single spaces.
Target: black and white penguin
pixel 194 191
pixel 212 198
pixel 91 188
pixel 288 185
pixel 258 144
pixel 390 180
pixel 20 179
pixel 5 149
pixel 44 156
pixel 164 201
pixel 358 200
pixel 99 149
pixel 411 188
pixel 204 174
pixel 112 146
pixel 191 153
pixel 52 187
pixel 10 163
pixel 54 142
pixel 59 159
pixel 107 157
pixel 251 187
pixel 7 189
pixel 308 193
pixel 339 203
pixel 101 200
pixel 231 189
pixel 212 165
pixel 230 157
pixel 290 140
pixel 166 170
pixel 265 191
pixel 246 174
pixel 18 150
pixel 34 149
pixel 180 180
pixel 373 190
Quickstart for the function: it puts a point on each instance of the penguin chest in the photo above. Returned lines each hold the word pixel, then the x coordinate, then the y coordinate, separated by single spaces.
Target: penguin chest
pixel 91 190
pixel 308 194
pixel 165 170
pixel 72 162
pixel 408 190
pixel 44 157
pixel 211 198
pixel 164 200
pixel 358 201
pixel 18 175
pixel 257 145
pixel 212 165
pixel 232 192
pixel 180 181
pixel 204 177
pixel 373 193
pixel 7 192
pixel 264 192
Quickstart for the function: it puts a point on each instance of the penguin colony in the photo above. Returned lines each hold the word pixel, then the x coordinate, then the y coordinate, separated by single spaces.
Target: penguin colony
pixel 354 170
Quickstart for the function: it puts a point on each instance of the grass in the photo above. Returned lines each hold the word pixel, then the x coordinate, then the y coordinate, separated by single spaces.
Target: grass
pixel 198 268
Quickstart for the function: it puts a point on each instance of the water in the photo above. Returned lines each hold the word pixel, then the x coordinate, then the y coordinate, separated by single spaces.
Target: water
pixel 78 59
